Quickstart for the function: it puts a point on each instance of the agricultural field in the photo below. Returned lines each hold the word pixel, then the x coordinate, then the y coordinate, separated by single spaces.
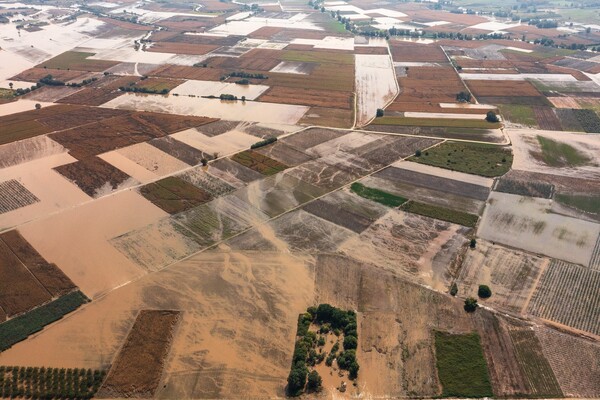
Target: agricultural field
pixel 137 370
pixel 511 274
pixel 298 198
pixel 562 287
pixel 526 223
pixel 478 159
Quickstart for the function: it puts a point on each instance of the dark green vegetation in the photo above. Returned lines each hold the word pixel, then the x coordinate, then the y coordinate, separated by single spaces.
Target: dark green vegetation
pixel 461 366
pixel 588 204
pixel 588 119
pixel 263 143
pixel 534 364
pixel 445 214
pixel 19 328
pixel 377 195
pixel 137 89
pixel 478 159
pixel 309 349
pixel 556 154
pixel 491 116
pixel 470 304
pixel 484 292
pixel 174 195
pixel 49 383
pixel 258 162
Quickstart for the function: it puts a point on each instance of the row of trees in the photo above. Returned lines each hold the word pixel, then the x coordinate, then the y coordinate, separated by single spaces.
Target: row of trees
pixel 49 383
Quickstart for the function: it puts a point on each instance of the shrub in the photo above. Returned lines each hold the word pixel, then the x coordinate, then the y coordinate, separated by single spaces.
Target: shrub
pixel 315 382
pixel 454 289
pixel 484 291
pixel 491 117
pixel 350 343
pixel 470 304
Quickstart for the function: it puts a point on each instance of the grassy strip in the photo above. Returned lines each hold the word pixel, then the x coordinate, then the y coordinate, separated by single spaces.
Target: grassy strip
pixel 588 204
pixel 472 158
pixel 377 195
pixel 19 328
pixel 557 154
pixel 519 114
pixel 445 214
pixel 461 366
pixel 440 122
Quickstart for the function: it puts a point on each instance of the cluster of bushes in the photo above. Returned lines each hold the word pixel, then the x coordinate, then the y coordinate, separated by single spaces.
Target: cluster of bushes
pixel 543 23
pixel 263 143
pixel 136 89
pixel 19 328
pixel 309 347
pixel 49 383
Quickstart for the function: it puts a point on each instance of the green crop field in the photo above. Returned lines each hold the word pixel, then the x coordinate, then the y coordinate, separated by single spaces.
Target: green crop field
pixel 472 158
pixel 589 204
pixel 19 328
pixel 377 195
pixel 461 366
pixel 445 214
pixel 78 61
pixel 556 154
pixel 519 114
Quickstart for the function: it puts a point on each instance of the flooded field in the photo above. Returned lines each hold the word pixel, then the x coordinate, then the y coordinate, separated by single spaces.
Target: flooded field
pixel 236 110
pixel 376 85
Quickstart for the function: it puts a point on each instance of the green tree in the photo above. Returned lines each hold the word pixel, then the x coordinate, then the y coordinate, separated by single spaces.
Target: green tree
pixel 484 291
pixel 470 304
pixel 380 112
pixel 473 243
pixel 315 382
pixel 491 117
pixel 350 342
pixel 38 106
pixel 454 289
pixel 297 379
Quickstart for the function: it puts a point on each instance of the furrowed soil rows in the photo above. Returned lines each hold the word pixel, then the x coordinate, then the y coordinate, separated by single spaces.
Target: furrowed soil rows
pixel 595 258
pixel 577 375
pixel 525 188
pixel 534 364
pixel 91 97
pixel 505 372
pixel 207 182
pixel 510 273
pixel 338 215
pixel 259 162
pixel 285 154
pixel 138 367
pixel 174 195
pixel 49 275
pixel 95 176
pixel 13 196
pixel 179 150
pixel 547 119
pixel 433 182
pixel 157 245
pixel 20 291
pixel 567 293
